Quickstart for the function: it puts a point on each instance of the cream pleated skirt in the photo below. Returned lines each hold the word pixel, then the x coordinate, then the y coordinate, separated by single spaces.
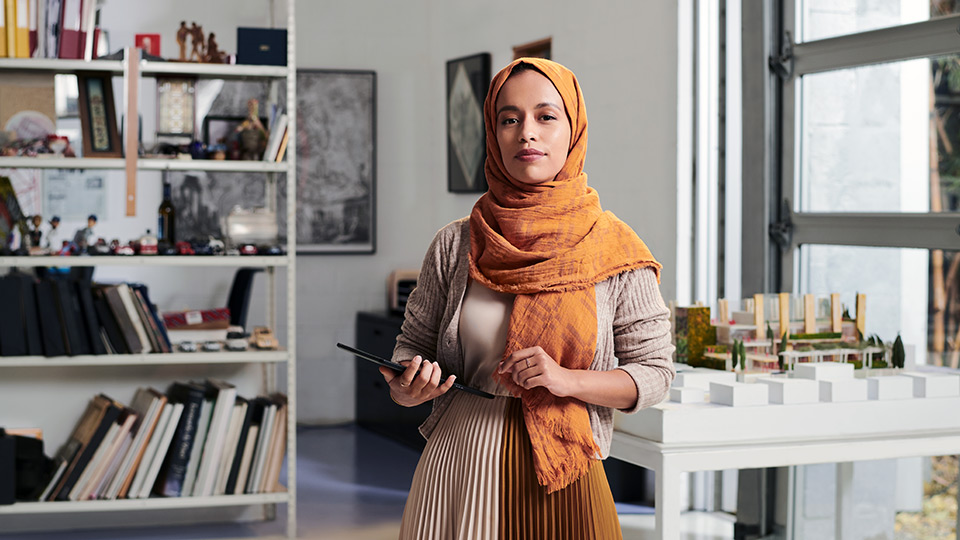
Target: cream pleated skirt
pixel 476 481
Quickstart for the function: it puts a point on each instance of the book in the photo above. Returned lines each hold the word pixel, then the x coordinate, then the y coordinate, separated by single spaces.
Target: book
pixel 157 320
pixel 278 444
pixel 233 475
pixel 193 463
pixel 71 320
pixel 3 31
pixel 175 467
pixel 31 321
pixel 134 316
pixel 260 454
pixel 130 335
pixel 113 443
pixel 13 333
pixel 22 39
pixel 104 413
pixel 150 453
pixel 244 470
pixel 94 463
pixel 149 404
pixel 89 318
pixel 70 39
pixel 230 446
pixel 283 146
pixel 224 395
pixel 276 135
pixel 108 322
pixel 144 320
pixel 51 331
pixel 113 468
pixel 61 467
pixel 162 449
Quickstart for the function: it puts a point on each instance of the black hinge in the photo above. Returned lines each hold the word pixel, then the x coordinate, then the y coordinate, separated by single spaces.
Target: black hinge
pixel 781 231
pixel 782 65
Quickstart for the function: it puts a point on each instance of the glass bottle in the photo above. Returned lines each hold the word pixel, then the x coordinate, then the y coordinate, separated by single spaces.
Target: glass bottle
pixel 166 215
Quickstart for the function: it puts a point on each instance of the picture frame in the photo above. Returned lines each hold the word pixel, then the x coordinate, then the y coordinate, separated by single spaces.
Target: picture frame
pixel 336 161
pixel 176 108
pixel 467 78
pixel 98 115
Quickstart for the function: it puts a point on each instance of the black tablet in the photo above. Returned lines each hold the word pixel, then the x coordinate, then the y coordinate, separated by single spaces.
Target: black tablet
pixel 397 367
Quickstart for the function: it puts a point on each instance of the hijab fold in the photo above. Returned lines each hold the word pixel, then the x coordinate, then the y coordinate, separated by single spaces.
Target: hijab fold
pixel 549 244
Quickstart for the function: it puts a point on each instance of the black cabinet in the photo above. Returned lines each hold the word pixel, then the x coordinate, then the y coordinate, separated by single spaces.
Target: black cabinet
pixel 377 333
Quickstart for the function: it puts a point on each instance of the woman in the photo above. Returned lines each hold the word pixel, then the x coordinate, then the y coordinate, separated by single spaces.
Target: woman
pixel 546 301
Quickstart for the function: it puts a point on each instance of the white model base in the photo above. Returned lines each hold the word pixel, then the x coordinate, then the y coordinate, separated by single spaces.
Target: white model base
pixel 686 394
pixel 696 422
pixel 843 390
pixel 890 387
pixel 702 377
pixel 823 371
pixel 791 391
pixel 734 394
pixel 930 385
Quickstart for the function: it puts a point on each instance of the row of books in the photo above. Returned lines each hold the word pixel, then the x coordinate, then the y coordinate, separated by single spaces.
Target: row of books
pixel 48 29
pixel 197 440
pixel 60 316
pixel 279 135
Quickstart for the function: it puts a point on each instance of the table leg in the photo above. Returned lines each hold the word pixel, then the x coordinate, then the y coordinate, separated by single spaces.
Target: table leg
pixel 667 502
pixel 844 513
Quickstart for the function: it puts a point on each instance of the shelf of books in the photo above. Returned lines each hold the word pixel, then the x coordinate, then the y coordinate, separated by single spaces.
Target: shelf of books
pixel 264 261
pixel 149 164
pixel 144 504
pixel 157 359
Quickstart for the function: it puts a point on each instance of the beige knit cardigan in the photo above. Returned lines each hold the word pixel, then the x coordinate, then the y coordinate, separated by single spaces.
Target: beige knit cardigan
pixel 633 328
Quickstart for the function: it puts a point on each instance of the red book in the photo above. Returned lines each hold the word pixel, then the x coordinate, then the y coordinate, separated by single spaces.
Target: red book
pixel 71 38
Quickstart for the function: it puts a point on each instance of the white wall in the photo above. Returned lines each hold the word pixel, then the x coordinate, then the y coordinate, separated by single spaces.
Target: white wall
pixel 624 53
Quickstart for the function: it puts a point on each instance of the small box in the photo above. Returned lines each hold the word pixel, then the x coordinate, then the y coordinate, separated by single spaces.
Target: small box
pixel 843 390
pixel 823 371
pixel 262 46
pixel 702 378
pixel 684 394
pixel 889 387
pixel 791 391
pixel 734 394
pixel 934 385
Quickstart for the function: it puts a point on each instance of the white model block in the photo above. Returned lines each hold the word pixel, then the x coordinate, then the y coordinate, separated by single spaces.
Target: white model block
pixel 686 394
pixel 934 385
pixel 734 394
pixel 823 371
pixel 890 387
pixel 791 391
pixel 843 390
pixel 702 378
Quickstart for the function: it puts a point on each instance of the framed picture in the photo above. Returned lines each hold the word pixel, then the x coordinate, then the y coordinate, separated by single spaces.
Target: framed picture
pixel 98 116
pixel 336 161
pixel 176 108
pixel 467 81
pixel 150 43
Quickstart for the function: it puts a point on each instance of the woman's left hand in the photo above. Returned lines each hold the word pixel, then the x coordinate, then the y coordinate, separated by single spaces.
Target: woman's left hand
pixel 532 367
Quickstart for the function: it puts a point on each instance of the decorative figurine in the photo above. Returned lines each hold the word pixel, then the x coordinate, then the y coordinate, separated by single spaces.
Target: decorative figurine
pixel 50 236
pixel 35 232
pixel 182 34
pixel 196 41
pixel 214 54
pixel 85 237
pixel 253 136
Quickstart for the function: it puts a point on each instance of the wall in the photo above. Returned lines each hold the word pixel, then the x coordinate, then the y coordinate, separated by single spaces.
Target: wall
pixel 624 53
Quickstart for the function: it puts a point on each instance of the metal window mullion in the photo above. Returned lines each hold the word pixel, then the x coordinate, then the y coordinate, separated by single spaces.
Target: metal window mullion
pixel 925 39
pixel 925 231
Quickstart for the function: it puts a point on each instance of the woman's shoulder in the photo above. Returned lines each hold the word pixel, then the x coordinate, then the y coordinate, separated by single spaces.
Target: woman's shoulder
pixel 452 235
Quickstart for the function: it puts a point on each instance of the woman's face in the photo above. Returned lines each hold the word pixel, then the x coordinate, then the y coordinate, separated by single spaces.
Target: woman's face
pixel 532 128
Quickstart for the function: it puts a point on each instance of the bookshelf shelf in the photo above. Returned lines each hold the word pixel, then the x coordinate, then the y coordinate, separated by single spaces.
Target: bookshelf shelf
pixel 210 71
pixel 265 261
pixel 154 503
pixel 143 164
pixel 197 358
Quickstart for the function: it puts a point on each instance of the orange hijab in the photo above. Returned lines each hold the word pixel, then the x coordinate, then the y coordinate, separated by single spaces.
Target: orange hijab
pixel 549 244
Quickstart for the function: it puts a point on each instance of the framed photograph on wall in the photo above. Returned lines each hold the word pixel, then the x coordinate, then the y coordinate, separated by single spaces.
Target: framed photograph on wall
pixel 467 81
pixel 336 161
pixel 98 116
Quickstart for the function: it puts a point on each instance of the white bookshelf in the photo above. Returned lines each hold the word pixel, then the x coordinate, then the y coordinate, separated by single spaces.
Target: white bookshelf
pixel 59 385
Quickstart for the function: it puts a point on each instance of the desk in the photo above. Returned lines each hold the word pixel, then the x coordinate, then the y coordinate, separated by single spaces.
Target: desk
pixel 668 460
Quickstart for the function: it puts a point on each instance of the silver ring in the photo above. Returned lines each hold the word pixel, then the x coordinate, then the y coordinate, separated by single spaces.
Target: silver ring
pixel 528 362
pixel 402 385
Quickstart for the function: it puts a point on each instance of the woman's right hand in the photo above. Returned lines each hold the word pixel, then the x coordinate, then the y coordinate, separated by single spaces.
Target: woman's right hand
pixel 411 388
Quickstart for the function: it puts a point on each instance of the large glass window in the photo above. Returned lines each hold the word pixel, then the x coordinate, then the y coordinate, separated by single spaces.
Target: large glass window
pixel 821 19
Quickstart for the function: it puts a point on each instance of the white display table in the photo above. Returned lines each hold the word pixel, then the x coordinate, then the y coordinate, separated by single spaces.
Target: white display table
pixel 709 437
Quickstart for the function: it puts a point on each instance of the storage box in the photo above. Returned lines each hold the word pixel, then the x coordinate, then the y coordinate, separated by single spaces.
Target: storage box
pixel 684 394
pixel 889 387
pixel 934 385
pixel 843 390
pixel 262 46
pixel 824 371
pixel 199 319
pixel 791 391
pixel 734 394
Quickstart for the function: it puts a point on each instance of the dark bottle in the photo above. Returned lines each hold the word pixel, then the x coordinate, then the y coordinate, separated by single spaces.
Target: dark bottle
pixel 166 216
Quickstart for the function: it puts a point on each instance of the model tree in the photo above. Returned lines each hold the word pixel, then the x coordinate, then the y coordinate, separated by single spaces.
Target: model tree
pixel 770 336
pixel 734 355
pixel 783 348
pixel 743 356
pixel 899 355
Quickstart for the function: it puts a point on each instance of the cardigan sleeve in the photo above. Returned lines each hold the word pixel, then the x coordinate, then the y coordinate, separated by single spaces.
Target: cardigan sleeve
pixel 641 330
pixel 426 303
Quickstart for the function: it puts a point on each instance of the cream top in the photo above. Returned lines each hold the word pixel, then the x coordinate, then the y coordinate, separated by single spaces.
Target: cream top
pixel 484 318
